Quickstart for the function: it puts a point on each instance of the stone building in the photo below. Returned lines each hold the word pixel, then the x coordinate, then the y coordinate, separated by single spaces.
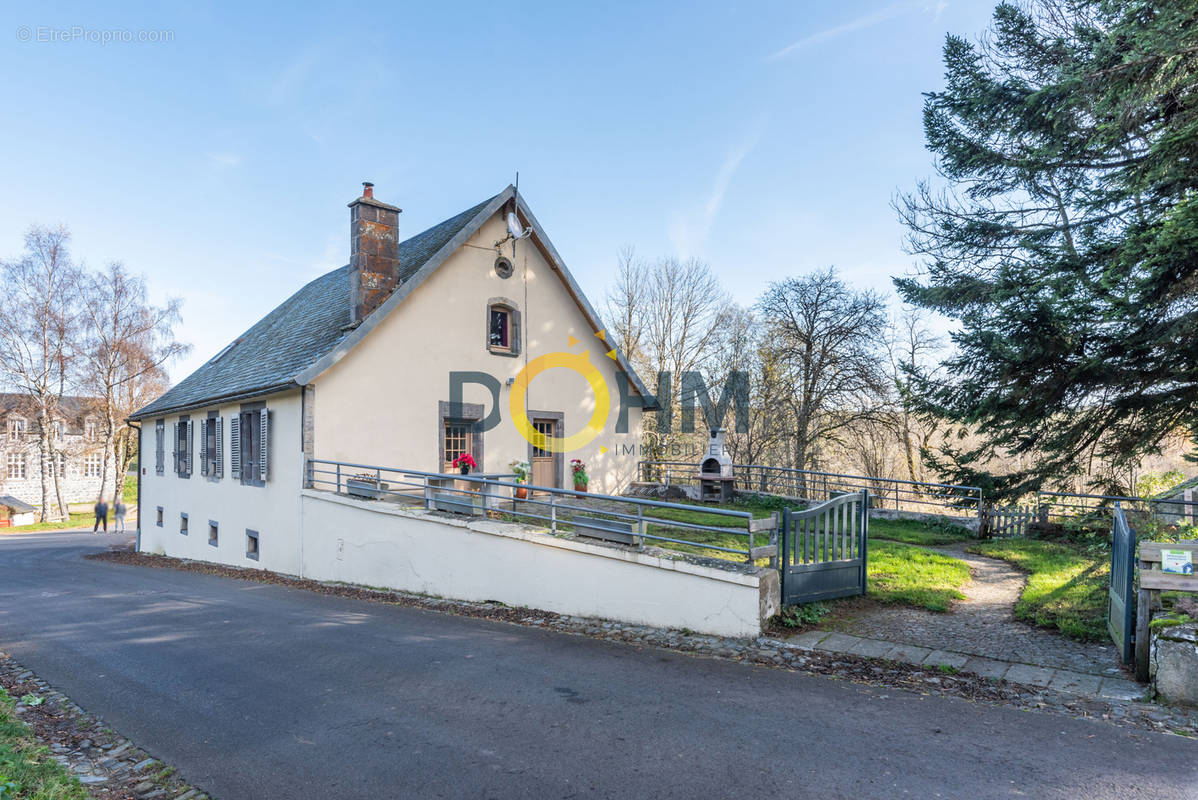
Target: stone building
pixel 75 434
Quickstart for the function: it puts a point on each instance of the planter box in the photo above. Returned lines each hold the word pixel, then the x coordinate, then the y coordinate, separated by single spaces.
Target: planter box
pixel 369 489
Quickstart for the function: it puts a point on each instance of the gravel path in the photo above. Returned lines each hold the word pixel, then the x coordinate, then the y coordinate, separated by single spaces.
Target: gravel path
pixel 984 624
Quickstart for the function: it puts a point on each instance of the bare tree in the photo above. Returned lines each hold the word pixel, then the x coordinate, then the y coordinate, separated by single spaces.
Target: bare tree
pixel 124 346
pixel 829 339
pixel 912 345
pixel 40 291
pixel 665 314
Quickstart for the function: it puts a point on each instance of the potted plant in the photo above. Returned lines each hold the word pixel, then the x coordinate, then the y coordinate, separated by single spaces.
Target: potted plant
pixel 366 485
pixel 520 469
pixel 581 479
pixel 465 462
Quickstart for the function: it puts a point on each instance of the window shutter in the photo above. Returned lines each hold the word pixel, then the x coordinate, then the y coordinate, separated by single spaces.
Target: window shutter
pixel 175 450
pixel 264 430
pixel 218 469
pixel 204 447
pixel 187 448
pixel 235 446
pixel 159 445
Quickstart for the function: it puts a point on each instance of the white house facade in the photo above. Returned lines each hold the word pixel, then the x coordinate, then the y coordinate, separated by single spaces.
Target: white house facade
pixel 359 366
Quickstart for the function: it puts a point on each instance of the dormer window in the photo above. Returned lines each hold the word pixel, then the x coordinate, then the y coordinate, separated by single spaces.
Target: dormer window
pixel 59 429
pixel 90 429
pixel 16 428
pixel 503 327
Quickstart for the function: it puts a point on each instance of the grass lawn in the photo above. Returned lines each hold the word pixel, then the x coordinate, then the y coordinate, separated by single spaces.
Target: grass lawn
pixel 912 531
pixel 26 769
pixel 81 519
pixel 913 576
pixel 1066 588
pixel 129 493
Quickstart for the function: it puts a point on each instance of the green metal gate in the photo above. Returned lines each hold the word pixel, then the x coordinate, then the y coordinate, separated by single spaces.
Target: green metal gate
pixel 825 549
pixel 1121 602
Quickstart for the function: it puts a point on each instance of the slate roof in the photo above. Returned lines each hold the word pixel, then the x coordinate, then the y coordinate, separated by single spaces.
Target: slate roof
pixel 17 506
pixel 306 327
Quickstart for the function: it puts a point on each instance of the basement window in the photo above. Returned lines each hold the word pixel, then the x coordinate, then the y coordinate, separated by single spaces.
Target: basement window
pixel 159 520
pixel 183 524
pixel 251 544
pixel 213 533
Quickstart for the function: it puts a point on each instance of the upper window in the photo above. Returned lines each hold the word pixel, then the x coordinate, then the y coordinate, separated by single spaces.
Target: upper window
pixel 59 430
pixel 17 465
pixel 60 462
pixel 160 447
pixel 500 337
pixel 249 444
pixel 183 447
pixel 91 465
pixel 211 455
pixel 90 430
pixel 16 428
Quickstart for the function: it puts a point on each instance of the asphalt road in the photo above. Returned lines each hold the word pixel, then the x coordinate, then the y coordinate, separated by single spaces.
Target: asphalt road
pixel 258 691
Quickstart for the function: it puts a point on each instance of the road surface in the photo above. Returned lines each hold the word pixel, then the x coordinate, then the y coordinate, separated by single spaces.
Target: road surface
pixel 257 691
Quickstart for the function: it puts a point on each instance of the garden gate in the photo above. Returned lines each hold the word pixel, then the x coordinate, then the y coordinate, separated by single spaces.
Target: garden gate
pixel 1121 602
pixel 825 549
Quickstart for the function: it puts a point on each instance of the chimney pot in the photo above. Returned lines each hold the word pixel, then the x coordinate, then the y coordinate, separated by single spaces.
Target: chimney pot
pixel 367 189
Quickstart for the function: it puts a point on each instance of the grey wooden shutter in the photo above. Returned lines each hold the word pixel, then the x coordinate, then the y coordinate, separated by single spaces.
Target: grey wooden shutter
pixel 175 450
pixel 159 447
pixel 264 439
pixel 188 445
pixel 204 447
pixel 219 466
pixel 235 446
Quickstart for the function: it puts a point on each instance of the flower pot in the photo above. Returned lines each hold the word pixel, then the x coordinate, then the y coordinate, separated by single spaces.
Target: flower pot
pixel 580 487
pixel 521 493
pixel 367 488
pixel 465 470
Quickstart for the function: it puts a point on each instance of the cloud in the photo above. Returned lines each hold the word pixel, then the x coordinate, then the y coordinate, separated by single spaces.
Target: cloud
pixel 860 23
pixel 225 160
pixel 689 235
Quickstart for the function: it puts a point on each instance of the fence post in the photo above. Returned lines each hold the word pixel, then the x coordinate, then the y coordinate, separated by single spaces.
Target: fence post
pixel 338 477
pixel 774 540
pixel 552 514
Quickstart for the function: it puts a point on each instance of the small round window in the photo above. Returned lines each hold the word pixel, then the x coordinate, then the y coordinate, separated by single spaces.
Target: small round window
pixel 503 267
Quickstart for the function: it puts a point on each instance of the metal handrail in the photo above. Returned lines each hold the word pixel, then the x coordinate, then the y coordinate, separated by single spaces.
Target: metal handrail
pixel 815 482
pixel 422 486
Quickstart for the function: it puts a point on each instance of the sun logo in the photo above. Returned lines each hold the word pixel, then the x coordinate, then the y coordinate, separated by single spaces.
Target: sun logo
pixel 579 363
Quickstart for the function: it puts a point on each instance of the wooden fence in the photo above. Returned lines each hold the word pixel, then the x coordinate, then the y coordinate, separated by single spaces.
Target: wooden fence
pixel 1003 521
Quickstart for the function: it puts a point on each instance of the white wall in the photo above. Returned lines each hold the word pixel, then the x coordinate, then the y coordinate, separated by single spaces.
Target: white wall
pixel 272 510
pixel 380 544
pixel 379 404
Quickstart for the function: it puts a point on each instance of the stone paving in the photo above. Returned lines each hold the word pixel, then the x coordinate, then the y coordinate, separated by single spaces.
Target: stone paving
pixel 984 625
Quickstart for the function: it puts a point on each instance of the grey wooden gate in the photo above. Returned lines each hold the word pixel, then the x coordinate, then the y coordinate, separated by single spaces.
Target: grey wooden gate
pixel 825 549
pixel 1121 603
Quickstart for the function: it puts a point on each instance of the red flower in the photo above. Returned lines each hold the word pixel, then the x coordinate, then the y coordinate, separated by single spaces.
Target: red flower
pixel 465 459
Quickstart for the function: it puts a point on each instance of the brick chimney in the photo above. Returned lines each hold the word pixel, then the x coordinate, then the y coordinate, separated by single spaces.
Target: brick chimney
pixel 373 252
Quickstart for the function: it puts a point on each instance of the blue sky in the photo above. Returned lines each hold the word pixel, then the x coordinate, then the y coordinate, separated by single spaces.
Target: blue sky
pixel 766 138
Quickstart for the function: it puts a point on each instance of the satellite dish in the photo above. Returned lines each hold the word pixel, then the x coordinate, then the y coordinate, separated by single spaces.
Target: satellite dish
pixel 513 225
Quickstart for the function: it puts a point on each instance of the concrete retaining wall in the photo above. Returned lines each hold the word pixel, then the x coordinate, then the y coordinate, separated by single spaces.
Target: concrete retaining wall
pixel 380 544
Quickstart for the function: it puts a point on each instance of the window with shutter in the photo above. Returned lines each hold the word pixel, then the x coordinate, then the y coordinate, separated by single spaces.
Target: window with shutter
pixel 235 447
pixel 188 448
pixel 253 443
pixel 176 463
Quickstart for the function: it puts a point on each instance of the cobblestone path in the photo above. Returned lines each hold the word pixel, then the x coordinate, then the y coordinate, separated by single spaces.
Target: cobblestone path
pixel 984 624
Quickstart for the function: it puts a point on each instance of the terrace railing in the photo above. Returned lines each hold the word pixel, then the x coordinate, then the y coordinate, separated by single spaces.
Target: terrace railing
pixel 815 486
pixel 628 520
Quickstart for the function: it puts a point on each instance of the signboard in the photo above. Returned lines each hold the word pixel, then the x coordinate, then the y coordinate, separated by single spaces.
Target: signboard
pixel 1178 562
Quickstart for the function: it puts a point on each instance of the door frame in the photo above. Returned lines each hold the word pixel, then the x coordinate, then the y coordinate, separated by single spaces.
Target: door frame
pixel 559 459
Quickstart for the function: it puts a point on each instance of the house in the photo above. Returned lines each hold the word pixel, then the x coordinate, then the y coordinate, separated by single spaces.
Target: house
pixel 359 366
pixel 14 512
pixel 74 438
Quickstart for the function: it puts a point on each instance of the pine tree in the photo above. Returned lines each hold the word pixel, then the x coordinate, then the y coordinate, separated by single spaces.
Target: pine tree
pixel 1065 238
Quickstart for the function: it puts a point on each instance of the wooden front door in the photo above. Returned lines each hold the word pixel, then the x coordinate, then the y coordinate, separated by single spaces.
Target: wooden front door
pixel 543 471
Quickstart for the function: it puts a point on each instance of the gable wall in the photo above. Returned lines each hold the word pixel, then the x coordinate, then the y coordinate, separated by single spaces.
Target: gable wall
pixel 379 404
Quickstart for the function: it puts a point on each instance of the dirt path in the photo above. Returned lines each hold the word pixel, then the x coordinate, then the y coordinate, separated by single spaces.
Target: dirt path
pixel 984 624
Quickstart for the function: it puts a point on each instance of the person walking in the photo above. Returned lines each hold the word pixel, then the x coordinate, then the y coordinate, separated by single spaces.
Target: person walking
pixel 101 515
pixel 118 519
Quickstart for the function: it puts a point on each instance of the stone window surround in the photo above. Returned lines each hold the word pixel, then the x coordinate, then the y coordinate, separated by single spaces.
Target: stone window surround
pixel 470 412
pixel 251 537
pixel 514 327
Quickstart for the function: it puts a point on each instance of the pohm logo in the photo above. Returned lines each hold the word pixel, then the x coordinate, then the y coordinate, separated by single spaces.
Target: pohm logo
pixel 694 391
